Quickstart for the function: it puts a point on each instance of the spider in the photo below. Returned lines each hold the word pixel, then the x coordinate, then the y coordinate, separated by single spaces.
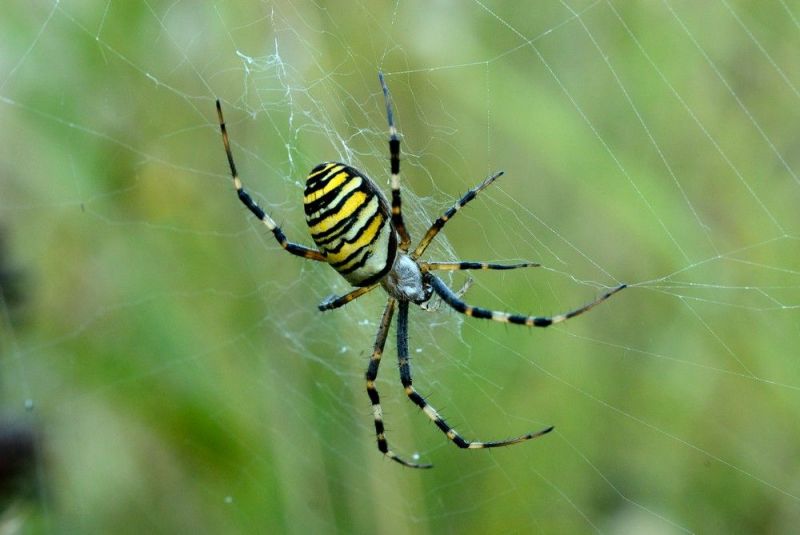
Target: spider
pixel 360 235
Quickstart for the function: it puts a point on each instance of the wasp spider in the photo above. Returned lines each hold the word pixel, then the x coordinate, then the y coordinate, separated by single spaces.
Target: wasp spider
pixel 364 239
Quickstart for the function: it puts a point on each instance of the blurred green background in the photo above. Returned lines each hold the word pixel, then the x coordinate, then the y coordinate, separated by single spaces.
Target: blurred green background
pixel 171 361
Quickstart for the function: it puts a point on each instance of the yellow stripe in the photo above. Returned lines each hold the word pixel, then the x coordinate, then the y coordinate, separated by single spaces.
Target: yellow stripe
pixel 332 184
pixel 366 238
pixel 367 213
pixel 343 191
pixel 351 205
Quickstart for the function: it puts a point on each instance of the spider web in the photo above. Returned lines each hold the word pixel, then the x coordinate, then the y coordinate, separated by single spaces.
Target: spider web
pixel 169 358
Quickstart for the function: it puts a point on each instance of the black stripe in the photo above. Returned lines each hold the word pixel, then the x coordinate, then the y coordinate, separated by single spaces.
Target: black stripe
pixel 330 210
pixel 312 181
pixel 394 151
pixel 336 231
pixel 482 313
pixel 358 265
pixel 372 370
pixel 373 396
pixel 441 424
pixel 457 305
pixel 417 399
pixel 348 258
pixel 389 261
pixel 402 350
pixel 440 221
pixel 319 168
pixel 251 205
pixel 280 236
pixel 355 253
pixel 342 226
pixel 519 319
pixel 396 201
pixel 323 201
pixel 460 442
pixel 489 265
pixel 317 182
pixel 358 234
pixel 467 197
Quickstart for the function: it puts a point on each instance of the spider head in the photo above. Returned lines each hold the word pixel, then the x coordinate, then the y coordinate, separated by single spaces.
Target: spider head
pixel 405 281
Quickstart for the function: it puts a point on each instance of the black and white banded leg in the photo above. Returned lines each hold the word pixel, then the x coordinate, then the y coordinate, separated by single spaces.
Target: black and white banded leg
pixel 445 217
pixel 294 248
pixel 394 163
pixel 458 305
pixel 334 301
pixel 372 391
pixel 461 266
pixel 430 412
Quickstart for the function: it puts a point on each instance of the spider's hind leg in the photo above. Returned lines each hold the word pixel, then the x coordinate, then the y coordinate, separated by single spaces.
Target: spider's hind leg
pixel 432 413
pixel 372 391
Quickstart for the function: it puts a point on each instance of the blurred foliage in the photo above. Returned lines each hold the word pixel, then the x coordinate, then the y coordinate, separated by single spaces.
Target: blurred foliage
pixel 170 357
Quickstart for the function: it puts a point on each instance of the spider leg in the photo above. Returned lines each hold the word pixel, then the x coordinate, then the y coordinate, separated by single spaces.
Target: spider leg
pixel 431 305
pixel 394 160
pixel 333 301
pixel 251 205
pixel 445 217
pixel 430 412
pixel 371 375
pixel 460 266
pixel 520 319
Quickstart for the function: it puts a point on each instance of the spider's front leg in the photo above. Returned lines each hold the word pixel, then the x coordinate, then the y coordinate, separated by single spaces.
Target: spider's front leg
pixel 335 301
pixel 394 163
pixel 440 222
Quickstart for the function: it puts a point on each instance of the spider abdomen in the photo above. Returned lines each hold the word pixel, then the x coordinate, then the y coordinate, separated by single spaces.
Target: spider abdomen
pixel 350 222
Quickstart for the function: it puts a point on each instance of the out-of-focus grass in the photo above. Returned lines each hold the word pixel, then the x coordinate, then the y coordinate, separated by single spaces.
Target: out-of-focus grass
pixel 180 376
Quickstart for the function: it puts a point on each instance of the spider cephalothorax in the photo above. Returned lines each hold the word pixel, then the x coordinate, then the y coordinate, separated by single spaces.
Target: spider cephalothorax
pixel 406 282
pixel 365 240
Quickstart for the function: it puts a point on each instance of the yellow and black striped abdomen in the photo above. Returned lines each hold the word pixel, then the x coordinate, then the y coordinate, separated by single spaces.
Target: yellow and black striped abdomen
pixel 350 222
